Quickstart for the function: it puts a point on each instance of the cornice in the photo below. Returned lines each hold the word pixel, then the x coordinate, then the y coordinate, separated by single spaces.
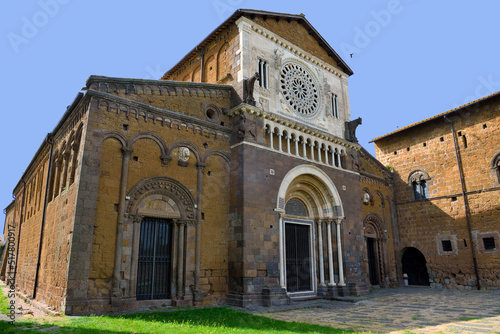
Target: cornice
pixel 156 111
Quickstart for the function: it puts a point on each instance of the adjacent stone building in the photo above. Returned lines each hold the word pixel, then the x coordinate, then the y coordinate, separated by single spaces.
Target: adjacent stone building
pixel 236 178
pixel 446 172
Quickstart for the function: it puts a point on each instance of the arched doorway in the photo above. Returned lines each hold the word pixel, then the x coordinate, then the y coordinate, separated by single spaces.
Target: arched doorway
pixel 376 249
pixel 162 214
pixel 310 212
pixel 414 265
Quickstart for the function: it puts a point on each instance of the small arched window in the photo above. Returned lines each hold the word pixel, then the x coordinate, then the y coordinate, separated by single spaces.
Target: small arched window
pixel 495 165
pixel 418 181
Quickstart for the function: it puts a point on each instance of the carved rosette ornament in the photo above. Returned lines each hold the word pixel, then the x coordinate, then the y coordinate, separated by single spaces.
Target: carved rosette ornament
pixel 183 155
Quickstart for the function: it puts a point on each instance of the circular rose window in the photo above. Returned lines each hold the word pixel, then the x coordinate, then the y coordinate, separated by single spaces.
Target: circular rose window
pixel 300 89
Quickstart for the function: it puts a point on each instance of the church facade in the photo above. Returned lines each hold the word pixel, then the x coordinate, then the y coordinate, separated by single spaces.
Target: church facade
pixel 234 179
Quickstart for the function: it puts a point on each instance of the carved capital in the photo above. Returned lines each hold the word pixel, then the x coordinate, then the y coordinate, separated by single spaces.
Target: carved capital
pixel 165 160
pixel 127 151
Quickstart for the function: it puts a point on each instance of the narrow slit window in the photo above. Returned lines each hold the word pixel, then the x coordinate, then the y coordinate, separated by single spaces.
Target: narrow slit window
pixel 263 73
pixel 335 105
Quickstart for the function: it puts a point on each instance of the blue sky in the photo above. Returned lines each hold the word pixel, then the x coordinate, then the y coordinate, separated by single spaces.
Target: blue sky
pixel 411 59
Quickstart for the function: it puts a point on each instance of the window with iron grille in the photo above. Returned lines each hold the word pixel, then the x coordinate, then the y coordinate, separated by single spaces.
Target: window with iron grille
pixel 489 243
pixel 446 245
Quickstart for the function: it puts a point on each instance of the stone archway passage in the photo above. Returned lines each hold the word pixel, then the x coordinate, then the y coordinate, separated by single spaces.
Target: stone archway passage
pixel 414 265
pixel 155 259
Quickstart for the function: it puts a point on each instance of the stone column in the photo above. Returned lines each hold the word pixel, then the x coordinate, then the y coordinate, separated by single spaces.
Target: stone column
pixel 312 151
pixel 304 150
pixel 319 153
pixel 136 233
pixel 66 155
pixel 339 163
pixel 173 283
pixel 271 135
pixel 116 293
pixel 296 146
pixel 198 296
pixel 326 156
pixel 281 264
pixel 288 143
pixel 320 253
pixel 280 146
pixel 339 247
pixel 180 261
pixel 330 254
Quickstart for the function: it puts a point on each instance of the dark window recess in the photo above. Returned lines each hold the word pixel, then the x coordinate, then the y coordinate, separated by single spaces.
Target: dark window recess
pixel 441 139
pixel 464 139
pixel 489 243
pixel 125 127
pixel 425 144
pixel 485 126
pixel 453 199
pixel 420 190
pixel 465 243
pixel 136 158
pixel 407 149
pixel 395 153
pixel 460 133
pixel 446 245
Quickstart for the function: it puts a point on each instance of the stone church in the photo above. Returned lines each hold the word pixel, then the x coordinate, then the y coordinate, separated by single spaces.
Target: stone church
pixel 236 178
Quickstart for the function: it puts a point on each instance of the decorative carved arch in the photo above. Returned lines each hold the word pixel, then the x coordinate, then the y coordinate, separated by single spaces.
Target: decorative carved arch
pixel 151 194
pixel 152 136
pixel 183 143
pixel 495 162
pixel 222 154
pixel 381 197
pixel 417 176
pixel 376 223
pixel 116 135
pixel 222 51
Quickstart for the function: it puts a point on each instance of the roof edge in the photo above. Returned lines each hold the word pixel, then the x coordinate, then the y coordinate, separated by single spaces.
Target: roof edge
pixel 430 119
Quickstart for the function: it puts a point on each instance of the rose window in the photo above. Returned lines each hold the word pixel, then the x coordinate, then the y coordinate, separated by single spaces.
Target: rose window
pixel 299 89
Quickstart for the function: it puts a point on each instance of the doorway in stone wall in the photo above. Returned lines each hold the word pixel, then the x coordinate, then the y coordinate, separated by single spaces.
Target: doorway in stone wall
pixel 372 261
pixel 298 257
pixel 155 258
pixel 414 265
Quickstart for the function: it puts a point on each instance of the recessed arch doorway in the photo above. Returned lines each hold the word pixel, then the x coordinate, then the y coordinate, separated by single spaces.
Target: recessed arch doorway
pixel 308 204
pixel 415 266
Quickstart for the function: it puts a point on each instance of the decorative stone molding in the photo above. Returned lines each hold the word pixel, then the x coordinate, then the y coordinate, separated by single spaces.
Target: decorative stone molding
pixel 162 117
pixel 293 48
pixel 305 130
pixel 418 176
pixel 172 189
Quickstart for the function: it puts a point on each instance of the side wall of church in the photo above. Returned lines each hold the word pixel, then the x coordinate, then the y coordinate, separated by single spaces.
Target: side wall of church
pixel 429 223
pixel 57 230
pixel 154 142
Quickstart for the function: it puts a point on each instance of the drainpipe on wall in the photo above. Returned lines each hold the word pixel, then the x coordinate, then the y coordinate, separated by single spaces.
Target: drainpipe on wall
pixel 50 140
pixel 466 205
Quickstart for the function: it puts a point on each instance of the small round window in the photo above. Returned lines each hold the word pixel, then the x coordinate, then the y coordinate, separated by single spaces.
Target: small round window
pixel 212 113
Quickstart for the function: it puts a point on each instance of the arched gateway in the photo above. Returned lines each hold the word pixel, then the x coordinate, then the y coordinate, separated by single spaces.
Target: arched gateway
pixel 308 203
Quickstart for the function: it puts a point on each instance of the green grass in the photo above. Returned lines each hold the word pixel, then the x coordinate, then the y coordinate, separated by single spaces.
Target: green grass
pixel 4 303
pixel 469 318
pixel 206 320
